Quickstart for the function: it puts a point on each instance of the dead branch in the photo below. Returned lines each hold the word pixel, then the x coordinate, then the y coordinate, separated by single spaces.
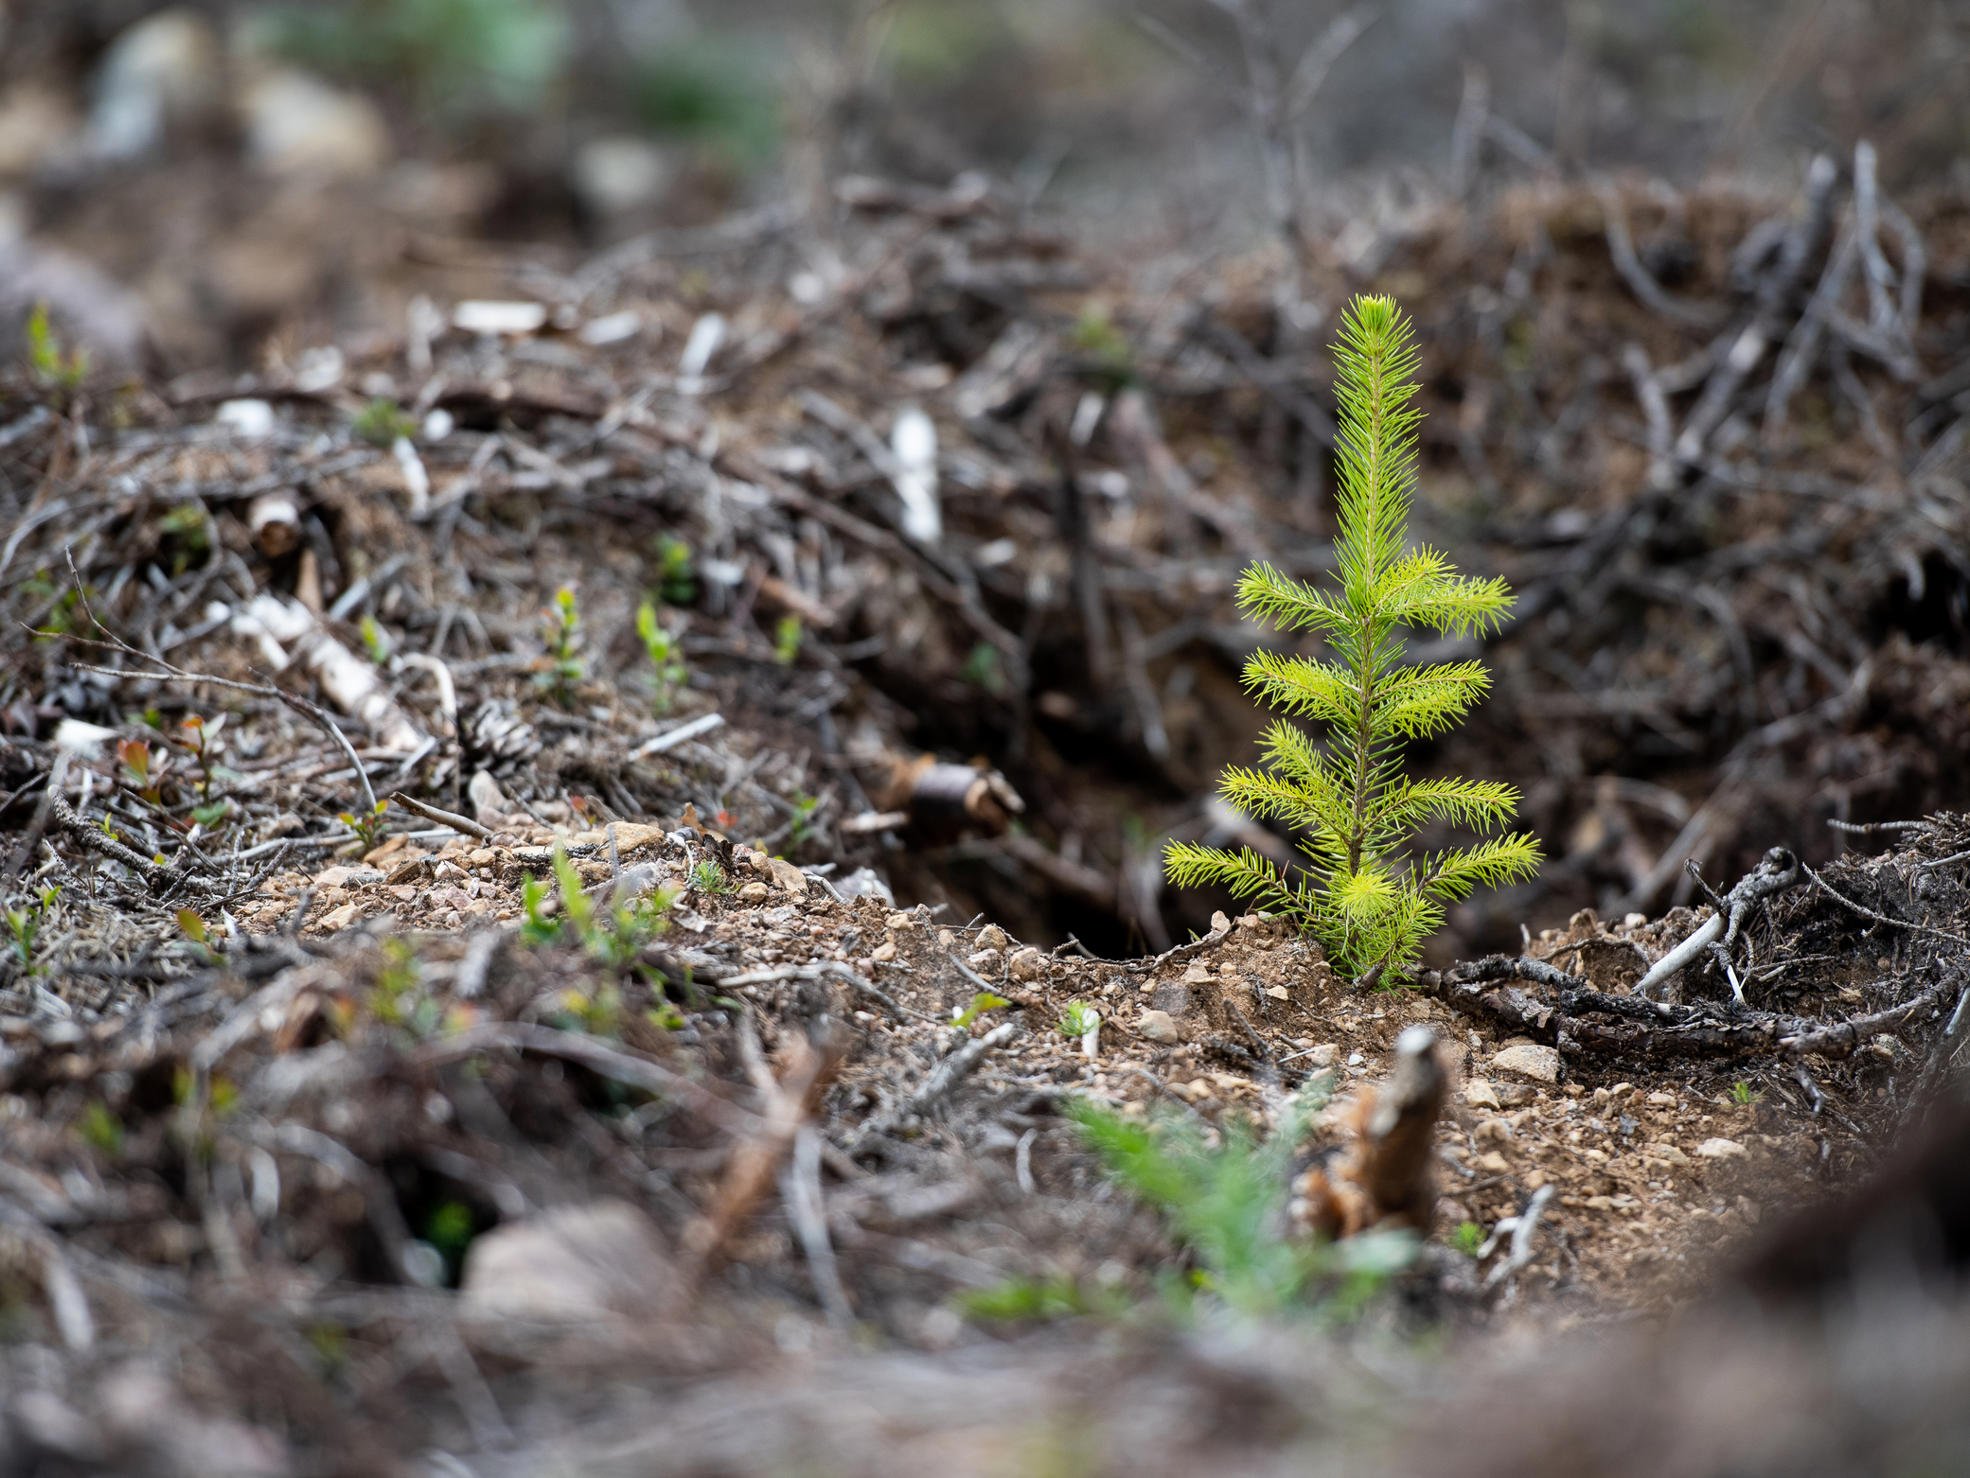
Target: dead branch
pixel 791 1099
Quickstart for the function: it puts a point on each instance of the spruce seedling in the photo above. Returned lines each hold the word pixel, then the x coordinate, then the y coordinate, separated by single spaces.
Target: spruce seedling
pixel 1363 893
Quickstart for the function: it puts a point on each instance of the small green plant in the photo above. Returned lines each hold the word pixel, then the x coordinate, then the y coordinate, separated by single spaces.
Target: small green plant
pixel 800 830
pixel 1080 1019
pixel 709 877
pixel 1744 1095
pixel 595 1012
pixel 1368 900
pixel 398 998
pixel 221 1094
pixel 366 826
pixel 197 934
pixel 100 1129
pixel 185 537
pixel 65 606
pixel 1224 1197
pixel 329 1344
pixel 1030 1300
pixel 376 641
pixel 383 423
pixel 666 657
pixel 985 667
pixel 1104 347
pixel 538 926
pixel 677 575
pixel 24 924
pixel 61 371
pixel 963 1016
pixel 615 938
pixel 140 771
pixel 562 668
pixel 788 636
pixel 1468 1237
pixel 197 738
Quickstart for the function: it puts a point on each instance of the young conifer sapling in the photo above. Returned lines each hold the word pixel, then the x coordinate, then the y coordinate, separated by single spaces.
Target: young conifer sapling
pixel 1364 891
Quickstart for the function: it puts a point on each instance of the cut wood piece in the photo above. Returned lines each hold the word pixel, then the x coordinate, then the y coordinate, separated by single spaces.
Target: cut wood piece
pixel 1380 1173
pixel 943 797
pixel 274 520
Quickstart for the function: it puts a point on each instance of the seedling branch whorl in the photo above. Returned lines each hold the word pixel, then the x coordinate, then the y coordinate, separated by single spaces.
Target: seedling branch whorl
pixel 1363 891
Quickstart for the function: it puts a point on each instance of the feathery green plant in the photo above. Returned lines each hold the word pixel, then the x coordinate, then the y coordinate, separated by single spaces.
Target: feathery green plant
pixel 1224 1196
pixel 1368 899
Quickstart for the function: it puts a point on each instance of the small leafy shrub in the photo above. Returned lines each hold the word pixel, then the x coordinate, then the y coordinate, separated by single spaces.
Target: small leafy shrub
pixel 666 657
pixel 1361 892
pixel 140 771
pixel 197 935
pixel 1225 1200
pixel 184 539
pixel 450 1227
pixel 677 574
pixel 558 673
pixel 1079 1020
pixel 709 877
pixel 383 423
pixel 366 827
pixel 985 667
pixel 800 830
pixel 100 1129
pixel 24 924
pixel 788 637
pixel 1028 1300
pixel 615 938
pixel 1468 1237
pixel 399 1000
pixel 1104 349
pixel 55 369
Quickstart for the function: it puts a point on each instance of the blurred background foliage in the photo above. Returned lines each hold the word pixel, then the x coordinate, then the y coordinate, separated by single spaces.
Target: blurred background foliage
pixel 1105 90
pixel 451 59
pixel 1139 121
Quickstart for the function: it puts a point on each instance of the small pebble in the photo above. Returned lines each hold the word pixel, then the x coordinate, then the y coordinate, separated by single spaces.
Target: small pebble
pixel 1027 964
pixel 1541 1064
pixel 1157 1026
pixel 1719 1149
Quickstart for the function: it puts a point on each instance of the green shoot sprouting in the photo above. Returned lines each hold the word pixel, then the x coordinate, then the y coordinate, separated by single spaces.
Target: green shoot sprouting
pixel 562 668
pixel 666 656
pixel 1225 1202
